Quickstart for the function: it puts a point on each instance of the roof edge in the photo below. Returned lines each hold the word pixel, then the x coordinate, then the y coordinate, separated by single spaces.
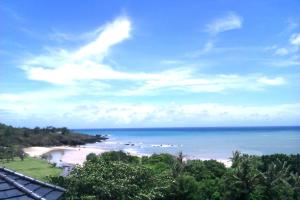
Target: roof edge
pixel 32 179
pixel 21 187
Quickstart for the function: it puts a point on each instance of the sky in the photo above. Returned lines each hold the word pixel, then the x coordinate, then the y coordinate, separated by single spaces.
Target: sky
pixel 111 64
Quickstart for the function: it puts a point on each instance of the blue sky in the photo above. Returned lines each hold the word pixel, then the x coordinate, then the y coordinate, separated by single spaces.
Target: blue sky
pixel 149 63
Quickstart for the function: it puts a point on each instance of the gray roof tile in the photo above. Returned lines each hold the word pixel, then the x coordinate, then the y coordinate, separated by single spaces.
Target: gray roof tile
pixel 14 185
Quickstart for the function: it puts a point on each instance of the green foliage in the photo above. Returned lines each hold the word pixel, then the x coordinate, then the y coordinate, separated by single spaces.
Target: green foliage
pixel 210 189
pixel 167 159
pixel 117 175
pixel 184 188
pixel 91 157
pixel 207 169
pixel 275 180
pixel 115 180
pixel 8 153
pixel 119 156
pixel 243 178
pixel 292 160
pixel 215 168
pixel 197 169
pixel 48 136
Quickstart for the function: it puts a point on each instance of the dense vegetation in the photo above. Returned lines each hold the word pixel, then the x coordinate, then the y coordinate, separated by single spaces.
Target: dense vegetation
pixel 118 176
pixel 49 136
pixel 9 153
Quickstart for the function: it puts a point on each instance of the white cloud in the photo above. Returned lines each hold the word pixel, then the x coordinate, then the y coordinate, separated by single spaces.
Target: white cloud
pixel 171 62
pixel 87 70
pixel 108 114
pixel 208 46
pixel 281 52
pixel 269 81
pixel 292 25
pixel 292 61
pixel 295 39
pixel 112 33
pixel 291 49
pixel 229 22
pixel 61 66
pixel 60 36
pixel 184 81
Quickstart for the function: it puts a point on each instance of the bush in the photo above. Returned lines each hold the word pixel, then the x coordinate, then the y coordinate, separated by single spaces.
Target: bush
pixel 114 180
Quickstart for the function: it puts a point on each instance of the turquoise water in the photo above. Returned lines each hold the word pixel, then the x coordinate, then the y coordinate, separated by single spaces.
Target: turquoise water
pixel 216 143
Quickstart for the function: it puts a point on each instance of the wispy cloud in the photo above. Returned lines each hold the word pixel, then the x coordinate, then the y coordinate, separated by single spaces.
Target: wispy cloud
pixel 295 39
pixel 171 62
pixel 61 66
pixel 108 114
pixel 274 81
pixel 208 47
pixel 228 22
pixel 60 36
pixel 285 55
pixel 184 81
pixel 284 63
pixel 281 51
pixel 292 24
pixel 12 13
pixel 78 78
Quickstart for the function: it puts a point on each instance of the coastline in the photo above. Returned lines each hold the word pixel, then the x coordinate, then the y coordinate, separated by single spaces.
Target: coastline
pixel 71 155
pixel 77 155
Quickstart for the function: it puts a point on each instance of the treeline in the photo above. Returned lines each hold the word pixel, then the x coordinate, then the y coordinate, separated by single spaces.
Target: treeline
pixel 48 136
pixel 9 153
pixel 118 176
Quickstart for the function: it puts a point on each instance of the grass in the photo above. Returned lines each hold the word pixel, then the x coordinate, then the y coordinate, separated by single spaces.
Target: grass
pixel 33 167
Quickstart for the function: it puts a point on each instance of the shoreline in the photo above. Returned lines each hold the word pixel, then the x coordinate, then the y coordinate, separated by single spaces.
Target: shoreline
pixel 71 155
pixel 77 155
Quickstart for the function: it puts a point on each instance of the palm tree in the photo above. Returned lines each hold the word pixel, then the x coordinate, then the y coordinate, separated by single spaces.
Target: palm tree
pixel 244 177
pixel 178 165
pixel 295 184
pixel 236 155
pixel 276 174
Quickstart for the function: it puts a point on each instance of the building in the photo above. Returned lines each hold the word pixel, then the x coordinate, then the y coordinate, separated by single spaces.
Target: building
pixel 17 186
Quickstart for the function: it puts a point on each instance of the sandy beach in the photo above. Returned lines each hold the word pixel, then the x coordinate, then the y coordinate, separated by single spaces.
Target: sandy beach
pixel 72 155
pixel 77 155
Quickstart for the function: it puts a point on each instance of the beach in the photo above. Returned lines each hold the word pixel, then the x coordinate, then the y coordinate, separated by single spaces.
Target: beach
pixel 69 155
pixel 77 155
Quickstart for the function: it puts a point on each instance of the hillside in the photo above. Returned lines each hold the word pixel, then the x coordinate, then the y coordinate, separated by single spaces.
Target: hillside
pixel 49 136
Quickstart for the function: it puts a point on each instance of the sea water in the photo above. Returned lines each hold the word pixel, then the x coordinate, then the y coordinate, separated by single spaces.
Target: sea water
pixel 202 143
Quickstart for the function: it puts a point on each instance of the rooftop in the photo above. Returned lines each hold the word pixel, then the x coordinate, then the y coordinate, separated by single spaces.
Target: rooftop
pixel 14 185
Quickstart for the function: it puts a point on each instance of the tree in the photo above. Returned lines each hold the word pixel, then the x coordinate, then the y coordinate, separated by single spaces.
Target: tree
pixel 92 157
pixel 294 180
pixel 64 131
pixel 216 169
pixel 241 181
pixel 210 189
pixel 115 180
pixel 184 188
pixel 197 169
pixel 236 155
pixel 178 165
pixel 275 181
pixel 118 156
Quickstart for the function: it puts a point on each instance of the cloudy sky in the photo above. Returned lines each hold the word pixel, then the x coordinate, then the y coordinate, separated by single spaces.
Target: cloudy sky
pixel 149 63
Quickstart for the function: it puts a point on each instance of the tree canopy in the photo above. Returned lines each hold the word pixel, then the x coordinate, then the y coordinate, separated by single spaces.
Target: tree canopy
pixel 119 176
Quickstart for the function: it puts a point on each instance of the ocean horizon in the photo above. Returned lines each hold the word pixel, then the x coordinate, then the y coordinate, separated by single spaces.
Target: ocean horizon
pixel 200 142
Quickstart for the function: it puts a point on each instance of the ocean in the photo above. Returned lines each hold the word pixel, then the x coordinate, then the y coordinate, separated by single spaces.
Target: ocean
pixel 201 143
